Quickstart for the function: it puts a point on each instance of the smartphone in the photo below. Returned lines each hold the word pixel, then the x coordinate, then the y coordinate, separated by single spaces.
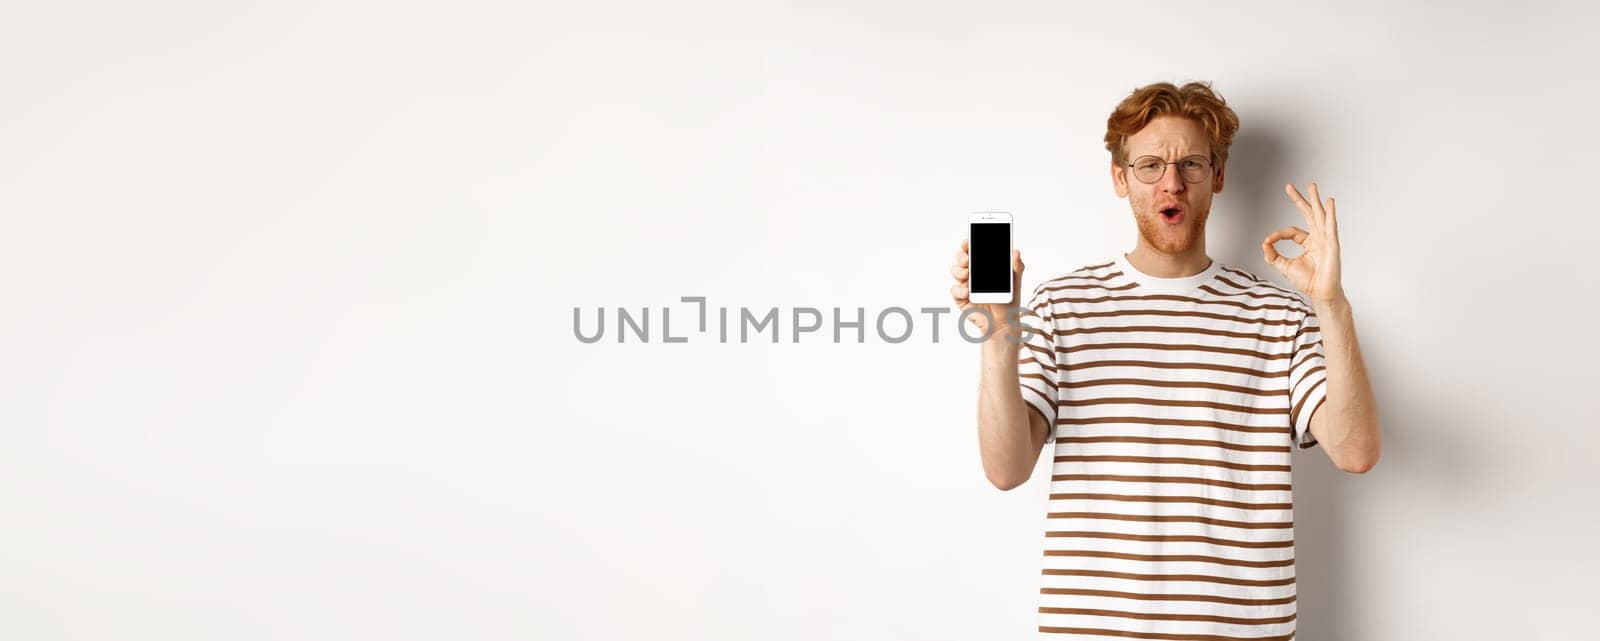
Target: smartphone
pixel 989 257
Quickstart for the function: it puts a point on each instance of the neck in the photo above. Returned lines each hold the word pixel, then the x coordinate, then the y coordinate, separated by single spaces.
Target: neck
pixel 1161 264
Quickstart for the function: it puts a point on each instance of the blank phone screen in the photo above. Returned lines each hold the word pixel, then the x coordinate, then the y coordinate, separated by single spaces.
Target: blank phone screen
pixel 991 257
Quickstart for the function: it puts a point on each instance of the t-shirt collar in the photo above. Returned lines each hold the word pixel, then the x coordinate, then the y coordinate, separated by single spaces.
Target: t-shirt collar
pixel 1153 284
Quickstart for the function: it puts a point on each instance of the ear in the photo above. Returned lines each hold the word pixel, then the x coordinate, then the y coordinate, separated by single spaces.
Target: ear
pixel 1221 176
pixel 1119 179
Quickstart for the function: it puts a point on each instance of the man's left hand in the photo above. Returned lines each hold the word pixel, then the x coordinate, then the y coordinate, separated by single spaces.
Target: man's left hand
pixel 1316 270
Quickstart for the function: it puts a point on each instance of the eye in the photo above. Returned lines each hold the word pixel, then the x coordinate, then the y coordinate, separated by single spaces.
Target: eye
pixel 1149 164
pixel 1192 163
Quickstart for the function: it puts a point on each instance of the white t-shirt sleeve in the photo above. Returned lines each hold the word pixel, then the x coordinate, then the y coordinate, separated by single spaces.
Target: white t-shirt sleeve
pixel 1037 363
pixel 1307 378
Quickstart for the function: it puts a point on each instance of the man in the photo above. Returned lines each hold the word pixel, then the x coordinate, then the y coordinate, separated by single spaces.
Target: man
pixel 1174 388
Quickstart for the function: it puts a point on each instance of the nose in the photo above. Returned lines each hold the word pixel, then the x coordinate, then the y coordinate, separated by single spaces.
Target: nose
pixel 1172 180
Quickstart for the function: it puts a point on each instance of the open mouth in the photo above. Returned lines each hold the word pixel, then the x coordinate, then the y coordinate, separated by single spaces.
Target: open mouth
pixel 1172 214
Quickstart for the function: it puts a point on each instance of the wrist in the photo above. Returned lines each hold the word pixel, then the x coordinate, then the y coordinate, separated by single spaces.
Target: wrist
pixel 1003 342
pixel 1330 305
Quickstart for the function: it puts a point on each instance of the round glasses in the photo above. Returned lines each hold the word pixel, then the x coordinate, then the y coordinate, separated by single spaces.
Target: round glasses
pixel 1149 169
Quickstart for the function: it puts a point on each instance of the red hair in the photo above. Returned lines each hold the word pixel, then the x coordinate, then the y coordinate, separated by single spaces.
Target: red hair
pixel 1195 101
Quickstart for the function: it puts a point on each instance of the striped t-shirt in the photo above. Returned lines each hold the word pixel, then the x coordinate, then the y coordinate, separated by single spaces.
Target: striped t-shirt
pixel 1174 405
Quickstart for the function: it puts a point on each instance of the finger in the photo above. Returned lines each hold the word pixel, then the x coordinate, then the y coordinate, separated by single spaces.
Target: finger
pixel 1317 211
pixel 959 293
pixel 1291 233
pixel 1270 253
pixel 1333 221
pixel 963 256
pixel 1300 201
pixel 959 272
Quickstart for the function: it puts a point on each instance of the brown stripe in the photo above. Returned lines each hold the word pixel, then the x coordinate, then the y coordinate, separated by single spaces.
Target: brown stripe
pixel 1313 415
pixel 1204 578
pixel 1043 400
pixel 1230 283
pixel 1172 558
pixel 1168 617
pixel 1048 287
pixel 1272 289
pixel 1044 355
pixel 1175 441
pixel 1042 352
pixel 1161 329
pixel 1173 518
pixel 1238 389
pixel 1248 294
pixel 1294 416
pixel 1172 460
pixel 1041 328
pixel 1307 329
pixel 1173 597
pixel 1174 297
pixel 1311 371
pixel 1151 498
pixel 1101 265
pixel 1173 347
pixel 1306 354
pixel 1247 291
pixel 1047 380
pixel 1172 402
pixel 1031 359
pixel 1036 410
pixel 1168 312
pixel 1195 422
pixel 1165 365
pixel 1262 487
pixel 1160 636
pixel 1246 275
pixel 1119 288
pixel 1168 538
pixel 1261 282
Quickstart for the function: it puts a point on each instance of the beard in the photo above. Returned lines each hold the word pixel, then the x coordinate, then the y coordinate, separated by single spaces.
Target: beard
pixel 1170 239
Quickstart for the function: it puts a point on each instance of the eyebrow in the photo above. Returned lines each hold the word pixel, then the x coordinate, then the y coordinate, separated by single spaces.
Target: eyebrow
pixel 1188 155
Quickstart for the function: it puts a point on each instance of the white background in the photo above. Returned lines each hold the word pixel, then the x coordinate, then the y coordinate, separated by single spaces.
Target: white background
pixel 288 290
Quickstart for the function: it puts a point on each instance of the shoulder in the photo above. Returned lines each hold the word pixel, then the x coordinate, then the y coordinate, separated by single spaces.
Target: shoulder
pixel 1089 275
pixel 1091 278
pixel 1243 282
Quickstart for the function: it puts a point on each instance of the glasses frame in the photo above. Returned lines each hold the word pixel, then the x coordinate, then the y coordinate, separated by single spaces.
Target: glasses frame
pixel 1211 168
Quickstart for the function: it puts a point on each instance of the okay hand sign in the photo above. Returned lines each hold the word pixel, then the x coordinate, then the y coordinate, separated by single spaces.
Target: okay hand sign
pixel 1316 271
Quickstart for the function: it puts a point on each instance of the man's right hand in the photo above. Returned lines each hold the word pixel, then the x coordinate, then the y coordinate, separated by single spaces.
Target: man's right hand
pixel 1010 436
pixel 961 271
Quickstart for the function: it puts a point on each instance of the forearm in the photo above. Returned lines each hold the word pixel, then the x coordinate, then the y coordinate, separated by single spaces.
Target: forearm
pixel 1350 413
pixel 1004 437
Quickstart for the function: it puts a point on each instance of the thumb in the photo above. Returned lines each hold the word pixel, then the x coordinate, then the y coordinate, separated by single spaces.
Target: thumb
pixel 1016 275
pixel 1271 255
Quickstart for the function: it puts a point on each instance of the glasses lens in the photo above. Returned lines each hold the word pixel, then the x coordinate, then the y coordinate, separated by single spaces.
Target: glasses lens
pixel 1195 169
pixel 1148 168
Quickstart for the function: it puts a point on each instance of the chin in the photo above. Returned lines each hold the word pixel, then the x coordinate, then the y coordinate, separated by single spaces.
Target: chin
pixel 1155 234
pixel 1173 248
